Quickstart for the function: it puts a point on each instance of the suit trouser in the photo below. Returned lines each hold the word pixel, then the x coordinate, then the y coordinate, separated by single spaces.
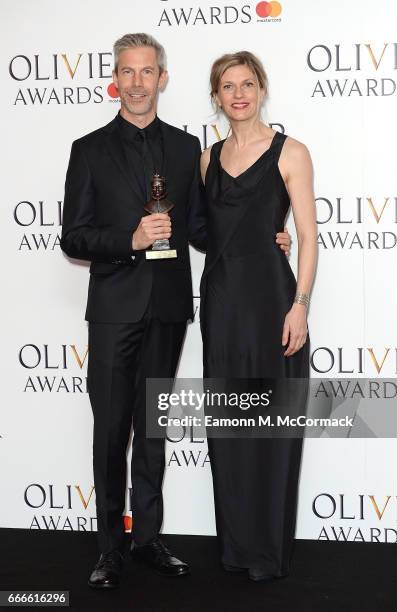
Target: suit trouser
pixel 121 357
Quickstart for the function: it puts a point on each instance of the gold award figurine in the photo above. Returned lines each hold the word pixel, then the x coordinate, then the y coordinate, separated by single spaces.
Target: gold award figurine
pixel 159 204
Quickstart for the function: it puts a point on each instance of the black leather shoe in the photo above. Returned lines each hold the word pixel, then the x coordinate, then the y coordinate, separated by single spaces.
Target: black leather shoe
pixel 160 558
pixel 258 575
pixel 106 573
pixel 233 568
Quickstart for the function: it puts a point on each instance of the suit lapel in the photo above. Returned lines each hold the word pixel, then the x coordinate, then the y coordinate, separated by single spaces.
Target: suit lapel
pixel 171 162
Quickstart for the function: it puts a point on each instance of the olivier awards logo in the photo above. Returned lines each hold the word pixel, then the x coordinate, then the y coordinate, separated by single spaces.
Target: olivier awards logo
pixel 195 456
pixel 39 223
pixel 53 369
pixel 353 70
pixel 67 507
pixel 357 223
pixel 208 133
pixel 354 361
pixel 61 78
pixel 336 510
pixel 218 14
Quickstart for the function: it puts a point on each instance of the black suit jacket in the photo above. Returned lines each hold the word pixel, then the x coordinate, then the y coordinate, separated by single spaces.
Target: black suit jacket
pixel 103 206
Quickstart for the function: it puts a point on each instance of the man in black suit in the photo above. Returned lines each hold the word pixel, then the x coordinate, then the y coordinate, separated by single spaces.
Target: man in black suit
pixel 137 308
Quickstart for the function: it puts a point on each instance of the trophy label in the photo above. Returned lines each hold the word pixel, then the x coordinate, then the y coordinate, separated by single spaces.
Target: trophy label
pixel 165 254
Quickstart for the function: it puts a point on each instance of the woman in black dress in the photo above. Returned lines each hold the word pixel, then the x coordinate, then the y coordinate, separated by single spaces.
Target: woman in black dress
pixel 253 311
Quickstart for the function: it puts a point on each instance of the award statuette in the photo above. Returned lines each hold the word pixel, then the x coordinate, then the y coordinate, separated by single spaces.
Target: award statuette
pixel 159 204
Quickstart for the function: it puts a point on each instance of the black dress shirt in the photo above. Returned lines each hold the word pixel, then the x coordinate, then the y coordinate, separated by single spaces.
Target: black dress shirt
pixel 143 158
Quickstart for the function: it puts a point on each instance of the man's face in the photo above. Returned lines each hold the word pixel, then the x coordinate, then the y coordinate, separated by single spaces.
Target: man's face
pixel 138 80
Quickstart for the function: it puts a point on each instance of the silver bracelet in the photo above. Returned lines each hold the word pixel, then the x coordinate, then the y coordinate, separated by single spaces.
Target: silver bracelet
pixel 302 298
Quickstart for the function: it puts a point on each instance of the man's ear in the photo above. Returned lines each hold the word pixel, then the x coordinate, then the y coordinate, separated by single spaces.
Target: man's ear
pixel 163 80
pixel 115 79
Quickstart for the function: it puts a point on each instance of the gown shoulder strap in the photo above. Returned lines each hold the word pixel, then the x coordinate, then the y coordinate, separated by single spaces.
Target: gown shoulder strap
pixel 216 147
pixel 213 161
pixel 277 144
pixel 215 152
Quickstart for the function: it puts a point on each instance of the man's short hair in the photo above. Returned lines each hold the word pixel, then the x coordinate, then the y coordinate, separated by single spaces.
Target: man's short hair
pixel 131 41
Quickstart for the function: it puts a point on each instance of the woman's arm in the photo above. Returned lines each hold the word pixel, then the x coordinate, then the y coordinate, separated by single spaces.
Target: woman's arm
pixel 204 162
pixel 297 171
pixel 197 210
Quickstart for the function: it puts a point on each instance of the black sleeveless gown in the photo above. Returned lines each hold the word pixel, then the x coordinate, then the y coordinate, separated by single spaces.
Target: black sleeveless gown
pixel 247 288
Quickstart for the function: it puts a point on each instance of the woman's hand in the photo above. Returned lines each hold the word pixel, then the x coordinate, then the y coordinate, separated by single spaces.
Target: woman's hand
pixel 283 239
pixel 295 329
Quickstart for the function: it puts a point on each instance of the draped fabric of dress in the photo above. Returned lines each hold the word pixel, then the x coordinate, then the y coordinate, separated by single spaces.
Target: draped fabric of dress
pixel 246 290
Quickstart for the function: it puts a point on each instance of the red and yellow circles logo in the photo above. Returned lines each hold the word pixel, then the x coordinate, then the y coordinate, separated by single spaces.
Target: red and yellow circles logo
pixel 268 9
pixel 113 91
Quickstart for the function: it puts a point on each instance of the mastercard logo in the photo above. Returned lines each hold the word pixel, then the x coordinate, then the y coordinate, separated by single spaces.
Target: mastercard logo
pixel 113 91
pixel 268 9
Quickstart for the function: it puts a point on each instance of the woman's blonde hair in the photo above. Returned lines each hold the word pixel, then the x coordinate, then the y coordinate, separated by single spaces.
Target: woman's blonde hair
pixel 229 60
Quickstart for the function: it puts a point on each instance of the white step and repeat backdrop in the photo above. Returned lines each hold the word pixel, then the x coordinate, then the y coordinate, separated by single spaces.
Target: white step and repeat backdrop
pixel 333 72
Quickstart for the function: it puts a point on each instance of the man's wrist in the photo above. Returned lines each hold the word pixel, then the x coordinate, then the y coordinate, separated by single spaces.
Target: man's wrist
pixel 133 244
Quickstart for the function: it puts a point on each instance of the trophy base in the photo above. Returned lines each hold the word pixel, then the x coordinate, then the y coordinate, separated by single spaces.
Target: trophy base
pixel 165 254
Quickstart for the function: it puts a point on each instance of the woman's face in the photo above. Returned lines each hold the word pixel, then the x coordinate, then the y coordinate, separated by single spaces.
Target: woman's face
pixel 239 93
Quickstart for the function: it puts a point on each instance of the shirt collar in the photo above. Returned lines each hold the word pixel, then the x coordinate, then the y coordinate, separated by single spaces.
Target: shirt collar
pixel 130 131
